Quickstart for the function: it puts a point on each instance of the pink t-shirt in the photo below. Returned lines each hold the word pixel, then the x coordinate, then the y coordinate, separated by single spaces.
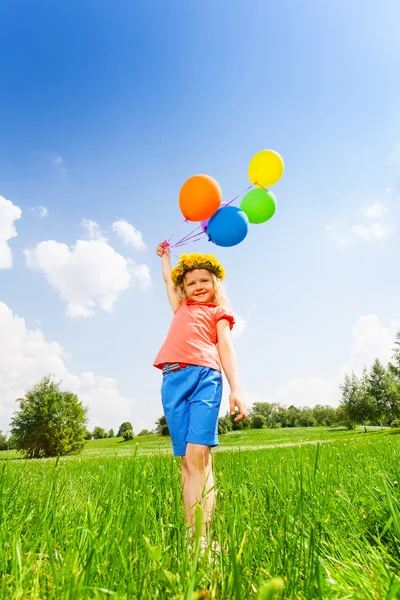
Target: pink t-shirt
pixel 192 336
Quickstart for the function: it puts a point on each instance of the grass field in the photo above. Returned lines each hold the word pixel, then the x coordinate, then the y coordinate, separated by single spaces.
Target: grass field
pixel 302 513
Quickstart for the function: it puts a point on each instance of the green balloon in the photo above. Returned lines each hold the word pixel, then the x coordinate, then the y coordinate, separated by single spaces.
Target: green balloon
pixel 259 205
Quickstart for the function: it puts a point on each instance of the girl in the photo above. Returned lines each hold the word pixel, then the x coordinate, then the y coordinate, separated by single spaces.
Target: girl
pixel 197 344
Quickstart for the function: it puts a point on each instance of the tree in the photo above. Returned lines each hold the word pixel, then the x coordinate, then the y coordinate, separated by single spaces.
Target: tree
pixel 324 415
pixel 123 427
pixel 306 418
pixel 128 434
pixel 239 425
pixel 357 403
pixel 88 435
pixel 145 432
pixel 293 414
pixel 110 434
pixel 378 389
pixel 258 421
pixel 99 433
pixel 162 426
pixel 263 408
pixel 394 367
pixel 3 441
pixel 50 422
pixel 224 424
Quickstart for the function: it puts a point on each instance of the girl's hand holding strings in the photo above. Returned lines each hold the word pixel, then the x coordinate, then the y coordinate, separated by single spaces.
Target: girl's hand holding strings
pixel 163 248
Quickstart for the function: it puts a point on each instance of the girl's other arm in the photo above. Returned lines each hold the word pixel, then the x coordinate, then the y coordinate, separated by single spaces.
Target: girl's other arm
pixel 164 252
pixel 228 361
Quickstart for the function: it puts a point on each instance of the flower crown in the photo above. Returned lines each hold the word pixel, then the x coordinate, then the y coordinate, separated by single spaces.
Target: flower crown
pixel 189 262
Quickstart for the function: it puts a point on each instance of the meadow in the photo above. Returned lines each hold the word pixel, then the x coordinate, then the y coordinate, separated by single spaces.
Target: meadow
pixel 302 513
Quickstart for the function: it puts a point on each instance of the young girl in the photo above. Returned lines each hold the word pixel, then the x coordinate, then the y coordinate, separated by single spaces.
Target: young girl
pixel 197 344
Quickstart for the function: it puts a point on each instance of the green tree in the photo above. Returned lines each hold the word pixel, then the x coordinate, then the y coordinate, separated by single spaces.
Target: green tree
pixel 394 375
pixel 3 441
pixel 394 367
pixel 128 435
pixel 162 426
pixel 145 432
pixel 123 427
pixel 224 424
pixel 357 404
pixel 110 434
pixel 378 388
pixel 263 408
pixel 50 422
pixel 293 414
pixel 306 418
pixel 239 425
pixel 88 435
pixel 324 415
pixel 258 421
pixel 11 443
pixel 99 433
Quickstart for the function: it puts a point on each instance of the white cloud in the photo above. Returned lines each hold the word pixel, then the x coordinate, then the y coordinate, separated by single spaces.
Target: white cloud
pixel 141 274
pixel 9 213
pixel 58 160
pixel 88 275
pixel 92 230
pixel 25 357
pixel 129 235
pixel 372 232
pixel 239 327
pixel 40 211
pixel 371 340
pixel 376 211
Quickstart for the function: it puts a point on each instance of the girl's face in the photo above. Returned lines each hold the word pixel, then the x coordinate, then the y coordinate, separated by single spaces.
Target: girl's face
pixel 199 285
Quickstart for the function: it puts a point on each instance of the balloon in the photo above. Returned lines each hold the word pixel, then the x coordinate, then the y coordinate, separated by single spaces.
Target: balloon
pixel 265 168
pixel 200 197
pixel 205 222
pixel 228 227
pixel 259 205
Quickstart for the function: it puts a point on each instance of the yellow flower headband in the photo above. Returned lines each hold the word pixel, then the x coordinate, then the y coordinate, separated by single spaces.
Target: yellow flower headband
pixel 188 262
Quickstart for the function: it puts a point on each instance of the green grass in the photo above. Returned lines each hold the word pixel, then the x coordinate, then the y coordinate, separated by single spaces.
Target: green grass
pixel 313 512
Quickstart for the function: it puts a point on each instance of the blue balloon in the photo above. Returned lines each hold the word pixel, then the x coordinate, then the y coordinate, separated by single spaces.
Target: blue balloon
pixel 228 226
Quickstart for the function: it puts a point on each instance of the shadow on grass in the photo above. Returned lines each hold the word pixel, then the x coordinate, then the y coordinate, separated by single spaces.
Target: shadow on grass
pixel 395 431
pixel 11 457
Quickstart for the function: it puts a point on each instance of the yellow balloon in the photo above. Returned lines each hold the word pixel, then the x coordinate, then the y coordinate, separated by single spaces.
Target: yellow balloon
pixel 266 168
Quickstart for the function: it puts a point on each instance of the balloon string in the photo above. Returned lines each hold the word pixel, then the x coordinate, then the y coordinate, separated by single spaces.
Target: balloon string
pixel 175 232
pixel 194 237
pixel 238 196
pixel 261 186
pixel 191 241
pixel 187 237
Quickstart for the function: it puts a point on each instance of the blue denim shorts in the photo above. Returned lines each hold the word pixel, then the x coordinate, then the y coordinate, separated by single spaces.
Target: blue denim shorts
pixel 191 398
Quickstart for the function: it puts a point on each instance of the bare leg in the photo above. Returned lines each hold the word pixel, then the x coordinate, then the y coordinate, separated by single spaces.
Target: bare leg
pixel 185 487
pixel 198 484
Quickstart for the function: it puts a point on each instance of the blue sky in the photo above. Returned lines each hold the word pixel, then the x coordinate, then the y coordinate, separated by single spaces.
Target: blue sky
pixel 107 108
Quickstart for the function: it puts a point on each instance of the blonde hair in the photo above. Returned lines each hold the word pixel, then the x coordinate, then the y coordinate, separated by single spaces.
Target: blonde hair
pixel 219 298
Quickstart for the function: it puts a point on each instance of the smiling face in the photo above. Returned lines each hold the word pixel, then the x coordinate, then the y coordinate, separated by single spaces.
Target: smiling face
pixel 199 286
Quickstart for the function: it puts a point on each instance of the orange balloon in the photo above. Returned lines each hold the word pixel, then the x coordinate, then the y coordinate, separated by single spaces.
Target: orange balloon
pixel 200 197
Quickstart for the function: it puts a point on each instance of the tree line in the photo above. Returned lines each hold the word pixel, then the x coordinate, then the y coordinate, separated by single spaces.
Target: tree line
pixel 374 396
pixel 51 422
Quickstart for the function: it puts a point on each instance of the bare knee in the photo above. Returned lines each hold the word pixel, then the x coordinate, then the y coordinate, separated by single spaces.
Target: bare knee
pixel 198 458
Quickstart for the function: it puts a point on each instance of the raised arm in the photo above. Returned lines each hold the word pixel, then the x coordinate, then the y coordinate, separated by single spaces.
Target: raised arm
pixel 164 252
